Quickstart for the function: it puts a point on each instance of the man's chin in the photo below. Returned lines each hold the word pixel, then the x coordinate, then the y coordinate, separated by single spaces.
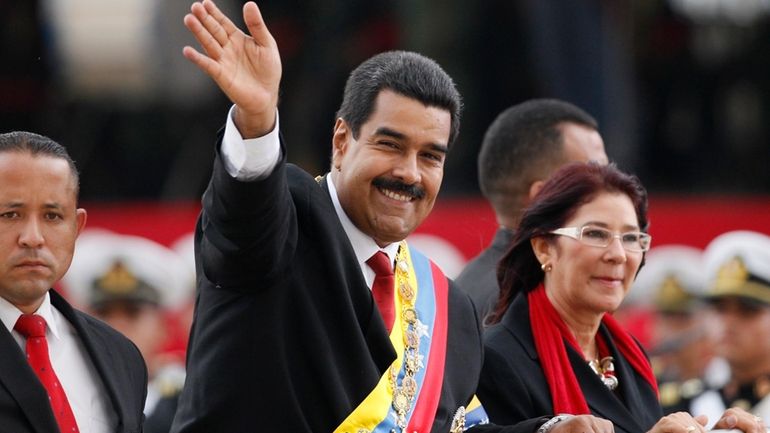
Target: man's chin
pixel 389 235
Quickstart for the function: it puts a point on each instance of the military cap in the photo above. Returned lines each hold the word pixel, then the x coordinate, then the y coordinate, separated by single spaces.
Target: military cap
pixel 110 267
pixel 672 279
pixel 738 264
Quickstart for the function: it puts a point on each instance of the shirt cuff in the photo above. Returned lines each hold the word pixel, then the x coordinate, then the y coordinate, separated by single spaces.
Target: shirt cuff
pixel 250 159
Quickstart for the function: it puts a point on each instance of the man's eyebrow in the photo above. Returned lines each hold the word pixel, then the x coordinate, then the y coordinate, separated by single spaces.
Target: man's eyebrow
pixel 443 148
pixel 384 130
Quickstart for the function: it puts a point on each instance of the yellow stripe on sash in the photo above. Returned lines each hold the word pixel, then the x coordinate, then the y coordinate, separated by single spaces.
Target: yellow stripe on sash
pixel 375 407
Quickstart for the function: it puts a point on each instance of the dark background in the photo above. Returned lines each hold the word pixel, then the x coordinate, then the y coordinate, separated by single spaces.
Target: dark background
pixel 681 88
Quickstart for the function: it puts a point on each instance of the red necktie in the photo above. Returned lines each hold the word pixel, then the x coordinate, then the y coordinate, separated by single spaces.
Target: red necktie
pixel 32 327
pixel 382 289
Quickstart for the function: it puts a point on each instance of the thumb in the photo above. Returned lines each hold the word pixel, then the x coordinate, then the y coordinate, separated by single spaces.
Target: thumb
pixel 252 17
pixel 702 419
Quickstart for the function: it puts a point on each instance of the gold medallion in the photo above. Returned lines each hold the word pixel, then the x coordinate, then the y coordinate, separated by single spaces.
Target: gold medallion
pixel 410 315
pixel 400 401
pixel 412 339
pixel 410 386
pixel 407 292
pixel 458 422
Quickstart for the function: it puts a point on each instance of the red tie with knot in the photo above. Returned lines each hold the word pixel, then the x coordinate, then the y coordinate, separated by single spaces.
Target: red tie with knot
pixel 382 289
pixel 32 327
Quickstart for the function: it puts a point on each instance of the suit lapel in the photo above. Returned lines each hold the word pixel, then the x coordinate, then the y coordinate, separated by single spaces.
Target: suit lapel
pixel 20 381
pixel 371 324
pixel 98 351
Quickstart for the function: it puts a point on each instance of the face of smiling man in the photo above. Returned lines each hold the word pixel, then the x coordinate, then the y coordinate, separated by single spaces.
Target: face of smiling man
pixel 388 179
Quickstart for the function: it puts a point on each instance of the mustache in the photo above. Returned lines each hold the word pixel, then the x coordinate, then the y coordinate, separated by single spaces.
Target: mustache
pixel 398 186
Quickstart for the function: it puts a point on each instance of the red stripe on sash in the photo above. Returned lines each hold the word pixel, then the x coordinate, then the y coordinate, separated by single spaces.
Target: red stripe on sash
pixel 427 403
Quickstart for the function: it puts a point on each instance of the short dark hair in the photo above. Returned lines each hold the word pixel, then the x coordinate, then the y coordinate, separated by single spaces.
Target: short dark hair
pixel 38 145
pixel 524 144
pixel 567 190
pixel 406 73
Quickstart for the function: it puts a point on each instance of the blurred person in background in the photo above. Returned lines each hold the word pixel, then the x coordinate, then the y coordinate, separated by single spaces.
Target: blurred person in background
pixel 522 147
pixel 60 370
pixel 684 332
pixel 132 283
pixel 556 349
pixel 738 268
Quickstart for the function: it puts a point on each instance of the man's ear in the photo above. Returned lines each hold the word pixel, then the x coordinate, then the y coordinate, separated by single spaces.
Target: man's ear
pixel 542 249
pixel 80 218
pixel 535 188
pixel 340 139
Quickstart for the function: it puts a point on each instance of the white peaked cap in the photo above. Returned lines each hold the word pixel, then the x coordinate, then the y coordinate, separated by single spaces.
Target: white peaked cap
pixel 671 278
pixel 97 251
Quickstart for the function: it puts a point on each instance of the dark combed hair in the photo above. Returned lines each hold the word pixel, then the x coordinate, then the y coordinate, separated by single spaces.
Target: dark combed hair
pixel 37 145
pixel 568 189
pixel 522 145
pixel 405 73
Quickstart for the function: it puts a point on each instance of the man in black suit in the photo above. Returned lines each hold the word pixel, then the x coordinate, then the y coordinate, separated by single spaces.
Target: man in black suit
pixel 78 374
pixel 294 328
pixel 521 148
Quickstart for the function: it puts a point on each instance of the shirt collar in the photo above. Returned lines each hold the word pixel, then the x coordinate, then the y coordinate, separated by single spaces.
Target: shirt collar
pixel 9 315
pixel 363 245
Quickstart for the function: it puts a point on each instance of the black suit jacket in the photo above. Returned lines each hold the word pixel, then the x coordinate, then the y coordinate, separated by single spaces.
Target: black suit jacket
pixel 479 277
pixel 286 335
pixel 513 387
pixel 24 404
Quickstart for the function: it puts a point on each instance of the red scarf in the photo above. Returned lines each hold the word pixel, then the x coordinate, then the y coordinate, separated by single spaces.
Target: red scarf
pixel 550 332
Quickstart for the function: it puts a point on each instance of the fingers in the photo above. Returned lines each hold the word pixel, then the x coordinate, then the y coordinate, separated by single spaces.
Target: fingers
pixel 217 23
pixel 193 22
pixel 679 422
pixel 735 418
pixel 256 25
pixel 207 65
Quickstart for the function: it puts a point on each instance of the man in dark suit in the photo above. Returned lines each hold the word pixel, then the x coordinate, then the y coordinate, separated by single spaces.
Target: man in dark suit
pixel 78 374
pixel 313 314
pixel 521 148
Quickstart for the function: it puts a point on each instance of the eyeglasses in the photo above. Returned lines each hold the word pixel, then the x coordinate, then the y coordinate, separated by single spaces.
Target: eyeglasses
pixel 600 237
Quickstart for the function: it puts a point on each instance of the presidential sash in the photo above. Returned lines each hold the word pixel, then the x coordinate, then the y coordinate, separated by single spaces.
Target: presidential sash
pixel 406 397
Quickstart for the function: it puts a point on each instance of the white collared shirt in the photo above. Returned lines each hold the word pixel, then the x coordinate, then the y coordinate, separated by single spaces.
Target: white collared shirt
pixel 85 391
pixel 256 158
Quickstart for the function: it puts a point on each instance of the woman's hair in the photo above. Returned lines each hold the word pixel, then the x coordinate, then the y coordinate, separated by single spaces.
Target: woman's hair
pixel 562 195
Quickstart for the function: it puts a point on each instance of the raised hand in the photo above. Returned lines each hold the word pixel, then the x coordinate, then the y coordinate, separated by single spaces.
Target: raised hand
pixel 246 68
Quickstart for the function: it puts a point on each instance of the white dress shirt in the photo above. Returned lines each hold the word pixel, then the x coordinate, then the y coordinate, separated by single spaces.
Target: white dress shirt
pixel 85 391
pixel 255 159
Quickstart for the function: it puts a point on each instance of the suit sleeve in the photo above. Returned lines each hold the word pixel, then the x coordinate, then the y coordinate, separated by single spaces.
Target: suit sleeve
pixel 502 391
pixel 247 230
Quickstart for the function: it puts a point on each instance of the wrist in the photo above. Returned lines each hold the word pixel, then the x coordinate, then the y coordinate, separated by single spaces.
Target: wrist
pixel 253 125
pixel 548 425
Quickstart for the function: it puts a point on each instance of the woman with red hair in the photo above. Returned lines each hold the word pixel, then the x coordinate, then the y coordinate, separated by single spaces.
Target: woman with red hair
pixel 556 350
